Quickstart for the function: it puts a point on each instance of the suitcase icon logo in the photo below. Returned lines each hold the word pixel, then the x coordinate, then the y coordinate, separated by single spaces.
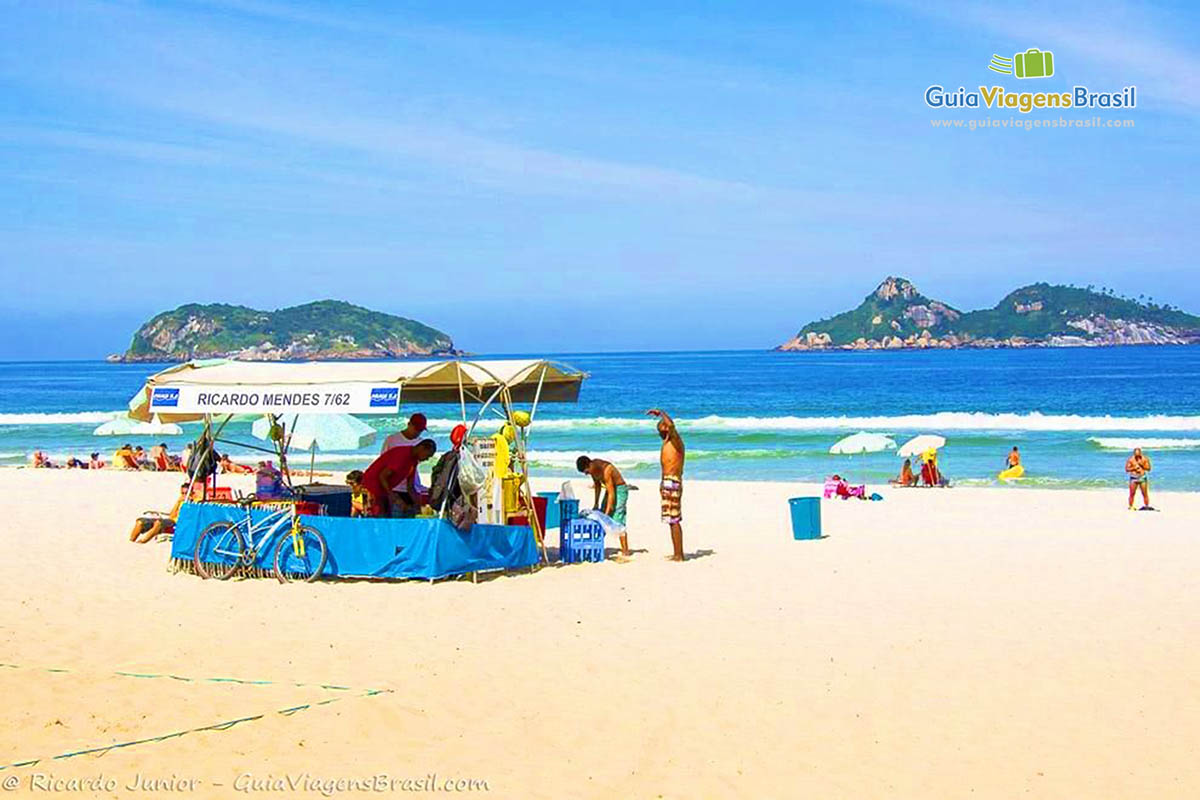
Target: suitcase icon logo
pixel 1033 63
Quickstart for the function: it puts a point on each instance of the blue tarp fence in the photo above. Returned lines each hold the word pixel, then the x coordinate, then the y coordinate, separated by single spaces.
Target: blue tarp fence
pixel 380 548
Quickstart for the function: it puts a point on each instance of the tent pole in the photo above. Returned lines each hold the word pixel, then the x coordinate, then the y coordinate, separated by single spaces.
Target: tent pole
pixel 462 400
pixel 538 394
pixel 191 473
pixel 524 492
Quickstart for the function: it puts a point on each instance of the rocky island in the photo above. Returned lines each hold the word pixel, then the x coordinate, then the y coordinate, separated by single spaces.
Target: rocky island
pixel 896 316
pixel 324 330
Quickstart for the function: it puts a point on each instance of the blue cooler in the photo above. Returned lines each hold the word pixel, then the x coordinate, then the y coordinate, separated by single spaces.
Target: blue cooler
pixel 552 515
pixel 806 517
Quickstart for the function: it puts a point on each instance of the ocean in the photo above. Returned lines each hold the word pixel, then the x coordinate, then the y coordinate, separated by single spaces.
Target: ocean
pixel 1075 413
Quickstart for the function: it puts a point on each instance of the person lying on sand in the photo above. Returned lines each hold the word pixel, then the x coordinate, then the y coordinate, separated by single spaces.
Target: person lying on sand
pixel 1138 469
pixel 152 523
pixel 96 462
pixel 671 489
pixel 40 460
pixel 228 467
pixel 616 492
pixel 846 491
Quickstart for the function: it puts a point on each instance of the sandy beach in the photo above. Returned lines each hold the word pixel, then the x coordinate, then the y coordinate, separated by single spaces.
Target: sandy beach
pixel 965 642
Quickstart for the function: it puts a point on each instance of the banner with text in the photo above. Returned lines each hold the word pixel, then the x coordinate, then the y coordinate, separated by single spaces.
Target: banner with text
pixel 342 398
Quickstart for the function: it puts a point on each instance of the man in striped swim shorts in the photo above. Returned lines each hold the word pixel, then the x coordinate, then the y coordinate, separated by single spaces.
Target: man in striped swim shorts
pixel 671 488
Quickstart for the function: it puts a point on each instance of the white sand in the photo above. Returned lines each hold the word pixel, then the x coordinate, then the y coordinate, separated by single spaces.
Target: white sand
pixel 983 643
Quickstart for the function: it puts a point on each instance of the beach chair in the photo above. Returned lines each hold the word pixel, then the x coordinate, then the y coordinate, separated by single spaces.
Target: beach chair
pixel 831 487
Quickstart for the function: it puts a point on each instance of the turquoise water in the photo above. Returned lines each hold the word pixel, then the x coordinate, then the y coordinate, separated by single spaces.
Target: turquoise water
pixel 1075 413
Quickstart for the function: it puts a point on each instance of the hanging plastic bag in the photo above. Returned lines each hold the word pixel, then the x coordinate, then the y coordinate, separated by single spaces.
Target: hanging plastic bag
pixel 567 492
pixel 610 525
pixel 471 474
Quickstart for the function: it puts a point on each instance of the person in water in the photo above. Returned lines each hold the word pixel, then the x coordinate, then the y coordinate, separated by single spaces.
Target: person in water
pixel 1138 469
pixel 671 488
pixel 616 492
pixel 1014 458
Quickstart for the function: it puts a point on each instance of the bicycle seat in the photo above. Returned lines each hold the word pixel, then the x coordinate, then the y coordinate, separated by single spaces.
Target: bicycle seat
pixel 247 500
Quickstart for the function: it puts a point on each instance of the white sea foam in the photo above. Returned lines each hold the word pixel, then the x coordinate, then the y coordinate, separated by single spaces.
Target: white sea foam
pixel 60 418
pixel 1147 443
pixel 622 458
pixel 939 421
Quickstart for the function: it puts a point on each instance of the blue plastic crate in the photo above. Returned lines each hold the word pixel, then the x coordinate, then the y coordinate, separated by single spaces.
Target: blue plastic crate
pixel 581 540
pixel 567 511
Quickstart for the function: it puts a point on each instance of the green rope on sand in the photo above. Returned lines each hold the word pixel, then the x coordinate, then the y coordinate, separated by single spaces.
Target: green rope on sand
pixel 219 726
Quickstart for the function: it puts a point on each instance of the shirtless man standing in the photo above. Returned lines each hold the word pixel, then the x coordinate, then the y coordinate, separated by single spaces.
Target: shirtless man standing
pixel 616 492
pixel 671 488
pixel 1138 469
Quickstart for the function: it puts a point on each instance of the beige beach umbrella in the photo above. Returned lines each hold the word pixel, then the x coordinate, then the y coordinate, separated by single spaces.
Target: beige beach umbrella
pixel 919 444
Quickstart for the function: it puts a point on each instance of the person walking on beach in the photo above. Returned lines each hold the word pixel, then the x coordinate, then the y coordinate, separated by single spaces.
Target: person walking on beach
pixel 1138 469
pixel 616 492
pixel 671 488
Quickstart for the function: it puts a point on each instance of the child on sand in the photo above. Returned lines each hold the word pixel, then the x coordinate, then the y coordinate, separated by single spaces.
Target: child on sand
pixel 360 499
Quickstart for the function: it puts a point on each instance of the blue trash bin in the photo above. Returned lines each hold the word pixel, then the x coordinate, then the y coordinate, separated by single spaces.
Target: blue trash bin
pixel 806 517
pixel 552 515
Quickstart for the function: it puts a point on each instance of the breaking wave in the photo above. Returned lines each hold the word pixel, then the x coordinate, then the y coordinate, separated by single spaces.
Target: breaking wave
pixel 939 421
pixel 63 418
pixel 1148 443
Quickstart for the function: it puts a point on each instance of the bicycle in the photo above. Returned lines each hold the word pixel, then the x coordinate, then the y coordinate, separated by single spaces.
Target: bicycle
pixel 224 546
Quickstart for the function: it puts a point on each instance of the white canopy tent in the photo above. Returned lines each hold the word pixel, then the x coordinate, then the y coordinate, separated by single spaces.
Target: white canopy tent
pixel 205 389
pixel 197 389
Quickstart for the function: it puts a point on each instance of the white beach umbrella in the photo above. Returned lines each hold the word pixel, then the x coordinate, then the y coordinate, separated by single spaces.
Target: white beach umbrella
pixel 124 426
pixel 919 444
pixel 863 443
pixel 320 431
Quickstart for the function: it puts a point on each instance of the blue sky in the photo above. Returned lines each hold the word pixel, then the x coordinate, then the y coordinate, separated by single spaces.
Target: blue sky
pixel 646 176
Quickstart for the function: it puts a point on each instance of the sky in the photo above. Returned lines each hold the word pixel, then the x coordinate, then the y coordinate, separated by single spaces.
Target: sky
pixel 546 178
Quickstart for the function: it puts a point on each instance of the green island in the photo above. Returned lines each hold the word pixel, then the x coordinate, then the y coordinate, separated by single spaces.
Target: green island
pixel 897 316
pixel 323 330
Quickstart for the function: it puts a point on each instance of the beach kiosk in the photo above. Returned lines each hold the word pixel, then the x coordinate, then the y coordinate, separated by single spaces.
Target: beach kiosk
pixel 215 391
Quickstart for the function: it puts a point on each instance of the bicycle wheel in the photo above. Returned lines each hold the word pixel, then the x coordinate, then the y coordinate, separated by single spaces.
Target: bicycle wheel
pixel 219 551
pixel 300 557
